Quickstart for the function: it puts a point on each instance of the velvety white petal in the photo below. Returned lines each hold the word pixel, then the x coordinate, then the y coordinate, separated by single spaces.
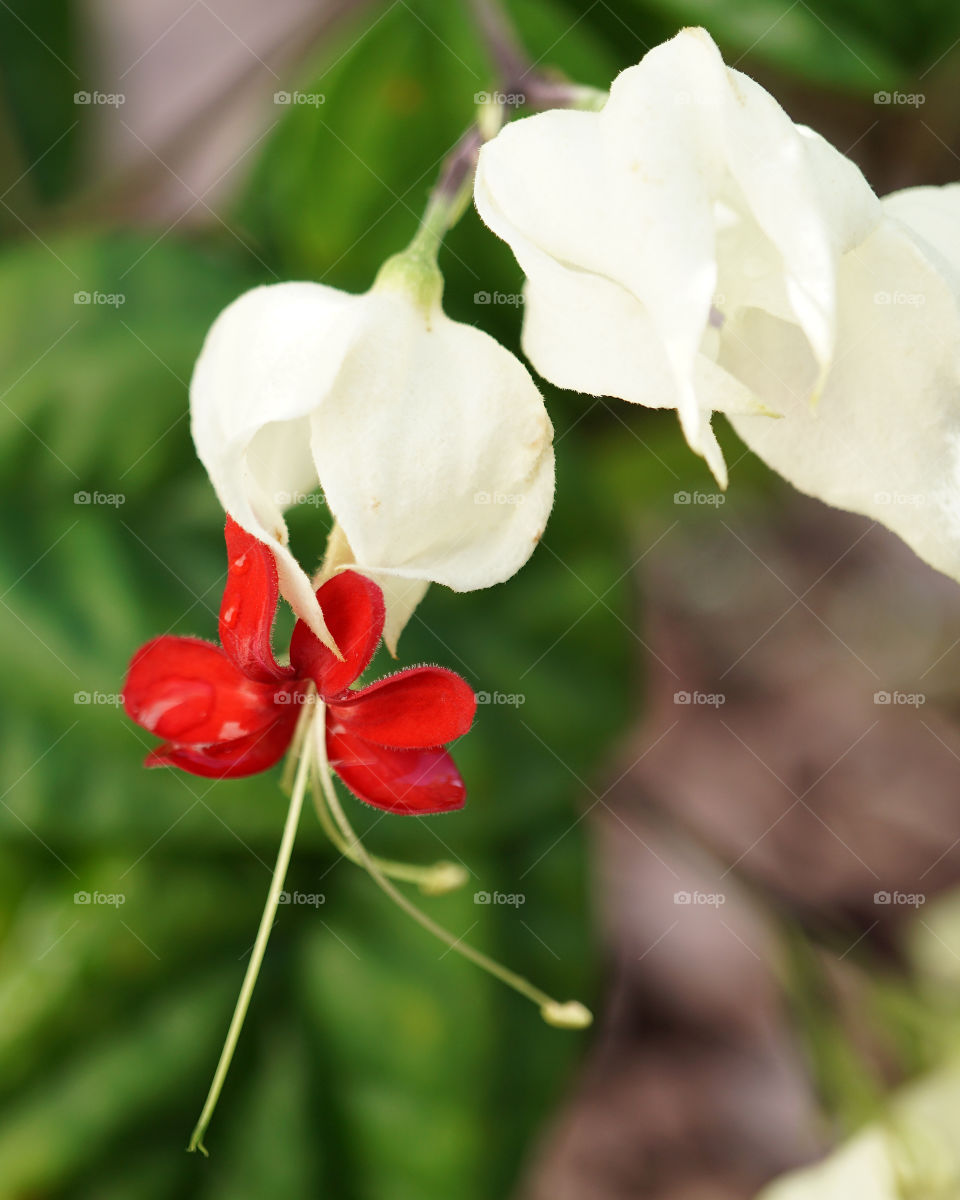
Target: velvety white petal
pixel 267 361
pixel 884 437
pixel 401 598
pixel 691 194
pixel 933 215
pixel 864 1168
pixel 434 449
pixel 681 123
pixel 911 1151
pixel 550 187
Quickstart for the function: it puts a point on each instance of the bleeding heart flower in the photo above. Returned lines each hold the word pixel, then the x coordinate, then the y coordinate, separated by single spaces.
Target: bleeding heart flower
pixel 408 420
pixel 884 438
pixel 645 229
pixel 231 710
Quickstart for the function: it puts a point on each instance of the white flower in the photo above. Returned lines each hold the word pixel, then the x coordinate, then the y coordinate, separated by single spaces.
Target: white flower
pixel 911 1152
pixel 646 228
pixel 884 437
pixel 407 420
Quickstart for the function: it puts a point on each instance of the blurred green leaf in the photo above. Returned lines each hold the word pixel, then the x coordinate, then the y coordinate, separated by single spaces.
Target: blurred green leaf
pixel 341 183
pixel 39 122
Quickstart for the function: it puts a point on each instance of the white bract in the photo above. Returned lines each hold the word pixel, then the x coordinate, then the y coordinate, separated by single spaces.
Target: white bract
pixel 884 437
pixel 644 228
pixel 689 246
pixel 912 1152
pixel 413 424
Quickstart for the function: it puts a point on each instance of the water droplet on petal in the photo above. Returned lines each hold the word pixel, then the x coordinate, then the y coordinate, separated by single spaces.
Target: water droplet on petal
pixel 240 564
pixel 229 617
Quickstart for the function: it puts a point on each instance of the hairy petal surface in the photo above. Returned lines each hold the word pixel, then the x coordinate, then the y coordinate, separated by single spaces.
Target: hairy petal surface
pixel 188 691
pixel 643 228
pixel 434 449
pixel 353 610
pixel 230 760
pixel 410 782
pixel 884 439
pixel 249 606
pixel 423 706
pixel 267 362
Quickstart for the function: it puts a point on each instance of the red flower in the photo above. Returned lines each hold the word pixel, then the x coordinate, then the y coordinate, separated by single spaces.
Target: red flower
pixel 230 710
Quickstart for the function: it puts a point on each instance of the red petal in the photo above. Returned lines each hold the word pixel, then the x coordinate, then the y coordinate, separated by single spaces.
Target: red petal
pixel 233 759
pixel 353 610
pixel 424 706
pixel 249 605
pixel 188 691
pixel 412 782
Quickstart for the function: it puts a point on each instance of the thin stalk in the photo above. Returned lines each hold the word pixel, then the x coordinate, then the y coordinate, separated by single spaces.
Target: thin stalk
pixel 259 947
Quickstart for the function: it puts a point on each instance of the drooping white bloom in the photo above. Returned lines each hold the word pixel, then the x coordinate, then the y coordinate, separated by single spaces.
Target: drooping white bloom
pixel 911 1152
pixel 644 228
pixel 690 246
pixel 883 438
pixel 413 424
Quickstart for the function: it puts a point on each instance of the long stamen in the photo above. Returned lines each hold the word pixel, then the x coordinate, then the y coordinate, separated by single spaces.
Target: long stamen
pixel 434 880
pixel 259 947
pixel 569 1015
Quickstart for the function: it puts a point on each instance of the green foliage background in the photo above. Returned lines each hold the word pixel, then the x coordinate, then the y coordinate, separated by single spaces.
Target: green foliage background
pixel 372 1065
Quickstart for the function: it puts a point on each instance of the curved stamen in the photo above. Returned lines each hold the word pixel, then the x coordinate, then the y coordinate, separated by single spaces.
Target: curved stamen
pixel 569 1015
pixel 433 880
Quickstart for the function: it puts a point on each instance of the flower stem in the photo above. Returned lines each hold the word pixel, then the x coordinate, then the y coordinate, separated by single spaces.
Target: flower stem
pixel 501 40
pixel 259 947
pixel 570 1015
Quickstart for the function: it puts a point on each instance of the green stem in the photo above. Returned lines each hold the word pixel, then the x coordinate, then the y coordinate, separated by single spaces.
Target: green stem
pixel 569 1015
pixel 259 947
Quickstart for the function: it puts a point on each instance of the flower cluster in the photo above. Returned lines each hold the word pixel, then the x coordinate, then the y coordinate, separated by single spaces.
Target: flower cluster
pixel 400 414
pixel 686 245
